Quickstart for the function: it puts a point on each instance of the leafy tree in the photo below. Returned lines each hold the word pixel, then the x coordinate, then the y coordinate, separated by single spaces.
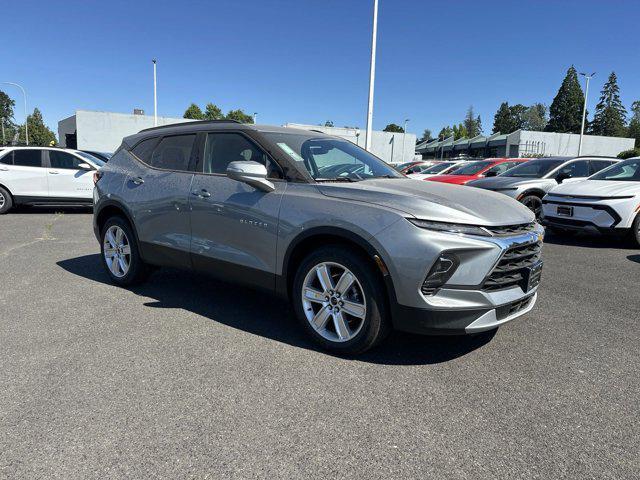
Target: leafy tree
pixel 212 112
pixel 502 119
pixel 535 117
pixel 392 127
pixel 634 123
pixel 240 116
pixel 565 113
pixel 629 153
pixel 459 131
pixel 472 123
pixel 6 107
pixel 39 133
pixel 328 123
pixel 446 132
pixel 426 135
pixel 610 116
pixel 193 112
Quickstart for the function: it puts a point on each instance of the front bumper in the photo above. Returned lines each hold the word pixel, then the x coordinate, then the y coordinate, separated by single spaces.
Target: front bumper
pixel 604 217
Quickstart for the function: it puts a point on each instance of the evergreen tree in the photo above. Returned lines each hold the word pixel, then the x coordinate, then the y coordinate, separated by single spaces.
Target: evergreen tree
pixel 535 117
pixel 193 112
pixel 610 116
pixel 392 127
pixel 212 112
pixel 502 119
pixel 240 116
pixel 446 132
pixel 459 131
pixel 472 123
pixel 565 113
pixel 39 134
pixel 634 123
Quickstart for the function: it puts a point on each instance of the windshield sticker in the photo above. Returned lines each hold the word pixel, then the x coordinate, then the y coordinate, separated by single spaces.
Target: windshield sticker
pixel 290 152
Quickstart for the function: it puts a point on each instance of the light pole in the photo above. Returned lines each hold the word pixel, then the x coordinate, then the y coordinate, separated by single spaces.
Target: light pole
pixel 404 135
pixel 584 109
pixel 255 118
pixel 26 123
pixel 155 94
pixel 372 75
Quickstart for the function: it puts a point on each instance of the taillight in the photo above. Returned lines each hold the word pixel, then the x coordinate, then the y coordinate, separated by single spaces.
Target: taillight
pixel 97 175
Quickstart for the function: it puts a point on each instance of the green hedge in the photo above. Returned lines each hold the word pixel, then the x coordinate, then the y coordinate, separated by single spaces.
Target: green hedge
pixel 629 153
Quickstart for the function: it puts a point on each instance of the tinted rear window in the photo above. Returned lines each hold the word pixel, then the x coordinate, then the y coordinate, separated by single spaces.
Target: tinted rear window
pixel 144 149
pixel 173 153
pixel 27 158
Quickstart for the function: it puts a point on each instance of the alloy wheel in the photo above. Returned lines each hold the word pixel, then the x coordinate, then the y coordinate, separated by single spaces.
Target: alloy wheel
pixel 534 204
pixel 334 302
pixel 117 251
pixel 2 200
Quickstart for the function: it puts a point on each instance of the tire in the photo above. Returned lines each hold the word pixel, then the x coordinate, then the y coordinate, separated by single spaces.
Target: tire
pixel 121 255
pixel 635 230
pixel 365 321
pixel 6 201
pixel 533 203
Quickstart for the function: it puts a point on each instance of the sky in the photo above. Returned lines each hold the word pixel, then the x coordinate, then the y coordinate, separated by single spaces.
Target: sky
pixel 307 61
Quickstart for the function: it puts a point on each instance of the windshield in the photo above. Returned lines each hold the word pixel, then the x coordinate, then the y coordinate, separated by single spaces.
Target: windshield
pixel 533 168
pixel 91 158
pixel 471 168
pixel 628 171
pixel 437 168
pixel 331 158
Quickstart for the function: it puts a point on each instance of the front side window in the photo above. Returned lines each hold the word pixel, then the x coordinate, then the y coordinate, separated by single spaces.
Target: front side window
pixel 223 148
pixel 63 160
pixel 502 167
pixel 27 158
pixel 533 168
pixel 597 165
pixel 327 158
pixel 575 169
pixel 173 153
pixel 627 171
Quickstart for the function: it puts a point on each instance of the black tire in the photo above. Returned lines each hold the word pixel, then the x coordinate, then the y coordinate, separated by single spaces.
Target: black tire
pixel 6 201
pixel 533 203
pixel 138 271
pixel 376 325
pixel 635 230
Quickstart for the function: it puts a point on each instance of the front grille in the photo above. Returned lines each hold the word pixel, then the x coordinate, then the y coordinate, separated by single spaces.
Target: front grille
pixel 512 308
pixel 511 229
pixel 509 271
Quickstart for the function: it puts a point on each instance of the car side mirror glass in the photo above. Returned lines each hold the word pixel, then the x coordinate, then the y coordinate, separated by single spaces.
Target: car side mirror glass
pixel 251 173
pixel 85 166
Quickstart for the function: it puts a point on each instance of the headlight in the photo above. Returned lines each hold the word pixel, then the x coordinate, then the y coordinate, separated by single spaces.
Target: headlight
pixel 450 227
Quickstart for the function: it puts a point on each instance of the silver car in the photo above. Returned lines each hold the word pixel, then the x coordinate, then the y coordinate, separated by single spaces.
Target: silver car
pixel 357 248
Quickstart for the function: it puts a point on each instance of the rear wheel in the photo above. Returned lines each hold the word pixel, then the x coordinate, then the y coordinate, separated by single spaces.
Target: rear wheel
pixel 340 301
pixel 120 254
pixel 533 203
pixel 6 202
pixel 635 230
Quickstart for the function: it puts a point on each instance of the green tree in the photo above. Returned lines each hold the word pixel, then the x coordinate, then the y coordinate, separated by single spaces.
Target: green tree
pixel 39 134
pixel 634 123
pixel 502 119
pixel 459 131
pixel 193 112
pixel 535 117
pixel 426 135
pixel 610 116
pixel 392 127
pixel 446 132
pixel 212 112
pixel 6 107
pixel 472 123
pixel 240 116
pixel 565 113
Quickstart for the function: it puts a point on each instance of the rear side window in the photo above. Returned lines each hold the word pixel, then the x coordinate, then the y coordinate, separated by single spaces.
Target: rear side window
pixel 63 160
pixel 27 158
pixel 144 149
pixel 173 153
pixel 597 165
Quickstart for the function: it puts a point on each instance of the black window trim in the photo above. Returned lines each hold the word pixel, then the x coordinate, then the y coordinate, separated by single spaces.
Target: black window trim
pixel 43 157
pixel 192 158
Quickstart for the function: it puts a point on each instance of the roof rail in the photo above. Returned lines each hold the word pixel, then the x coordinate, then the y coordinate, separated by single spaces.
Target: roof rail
pixel 197 122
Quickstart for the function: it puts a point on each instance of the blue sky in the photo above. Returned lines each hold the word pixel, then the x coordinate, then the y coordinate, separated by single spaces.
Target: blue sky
pixel 307 61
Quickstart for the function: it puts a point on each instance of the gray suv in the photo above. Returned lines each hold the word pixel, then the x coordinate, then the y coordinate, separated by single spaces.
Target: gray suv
pixel 531 181
pixel 356 247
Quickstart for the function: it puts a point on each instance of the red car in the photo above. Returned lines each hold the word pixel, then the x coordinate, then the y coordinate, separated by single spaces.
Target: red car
pixel 489 167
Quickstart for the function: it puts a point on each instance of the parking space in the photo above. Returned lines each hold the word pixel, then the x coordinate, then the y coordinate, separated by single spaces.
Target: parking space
pixel 188 377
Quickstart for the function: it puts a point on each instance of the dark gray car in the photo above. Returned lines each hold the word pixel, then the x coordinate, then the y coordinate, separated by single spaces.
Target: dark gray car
pixel 531 181
pixel 356 247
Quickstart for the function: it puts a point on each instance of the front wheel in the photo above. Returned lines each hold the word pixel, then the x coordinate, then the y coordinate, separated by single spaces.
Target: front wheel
pixel 340 301
pixel 635 230
pixel 120 254
pixel 6 202
pixel 533 203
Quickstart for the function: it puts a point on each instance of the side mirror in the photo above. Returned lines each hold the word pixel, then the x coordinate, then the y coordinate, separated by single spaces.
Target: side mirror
pixel 491 173
pixel 562 176
pixel 251 173
pixel 85 166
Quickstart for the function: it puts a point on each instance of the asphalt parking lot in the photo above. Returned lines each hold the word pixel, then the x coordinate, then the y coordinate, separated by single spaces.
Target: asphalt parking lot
pixel 188 377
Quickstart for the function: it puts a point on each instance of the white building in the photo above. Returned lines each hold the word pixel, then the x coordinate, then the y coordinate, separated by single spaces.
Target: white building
pixel 390 147
pixel 104 131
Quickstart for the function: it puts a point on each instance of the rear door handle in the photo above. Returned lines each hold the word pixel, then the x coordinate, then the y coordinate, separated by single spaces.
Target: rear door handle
pixel 4 169
pixel 138 180
pixel 201 193
pixel 53 172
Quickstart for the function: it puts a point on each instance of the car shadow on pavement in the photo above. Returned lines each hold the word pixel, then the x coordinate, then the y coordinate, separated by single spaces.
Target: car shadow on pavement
pixel 634 258
pixel 261 314
pixel 594 240
pixel 66 210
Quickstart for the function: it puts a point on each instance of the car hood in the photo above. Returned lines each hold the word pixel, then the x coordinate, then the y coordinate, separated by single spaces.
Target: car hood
pixel 455 179
pixel 433 201
pixel 598 188
pixel 505 182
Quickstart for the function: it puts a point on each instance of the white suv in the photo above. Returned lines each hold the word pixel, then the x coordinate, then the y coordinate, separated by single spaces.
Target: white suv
pixel 45 176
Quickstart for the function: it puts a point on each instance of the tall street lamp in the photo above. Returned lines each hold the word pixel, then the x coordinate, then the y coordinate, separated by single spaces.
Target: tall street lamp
pixel 404 135
pixel 155 94
pixel 255 118
pixel 372 75
pixel 26 123
pixel 584 109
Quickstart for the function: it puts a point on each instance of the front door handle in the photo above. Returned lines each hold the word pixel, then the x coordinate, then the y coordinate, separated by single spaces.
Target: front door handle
pixel 4 169
pixel 138 180
pixel 201 193
pixel 53 172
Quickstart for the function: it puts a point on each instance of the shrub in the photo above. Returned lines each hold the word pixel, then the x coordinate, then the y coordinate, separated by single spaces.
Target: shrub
pixel 629 153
